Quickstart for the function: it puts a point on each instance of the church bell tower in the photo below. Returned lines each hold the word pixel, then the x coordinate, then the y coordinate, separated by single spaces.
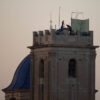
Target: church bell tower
pixel 63 63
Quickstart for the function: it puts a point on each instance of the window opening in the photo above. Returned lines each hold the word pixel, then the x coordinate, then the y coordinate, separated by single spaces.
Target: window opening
pixel 72 68
pixel 41 78
pixel 13 99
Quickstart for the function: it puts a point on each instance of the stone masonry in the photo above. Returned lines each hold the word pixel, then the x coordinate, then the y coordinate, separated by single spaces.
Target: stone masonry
pixel 56 49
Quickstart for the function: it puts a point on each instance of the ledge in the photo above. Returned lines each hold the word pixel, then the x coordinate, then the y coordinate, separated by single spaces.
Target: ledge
pixel 62 46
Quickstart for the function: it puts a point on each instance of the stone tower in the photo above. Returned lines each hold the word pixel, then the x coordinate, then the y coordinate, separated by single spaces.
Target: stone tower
pixel 63 63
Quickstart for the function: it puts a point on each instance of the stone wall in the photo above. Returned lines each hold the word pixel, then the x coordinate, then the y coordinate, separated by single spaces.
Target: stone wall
pixel 63 38
pixel 17 95
pixel 57 85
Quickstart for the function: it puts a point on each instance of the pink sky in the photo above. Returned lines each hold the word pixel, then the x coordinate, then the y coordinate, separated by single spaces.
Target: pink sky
pixel 18 18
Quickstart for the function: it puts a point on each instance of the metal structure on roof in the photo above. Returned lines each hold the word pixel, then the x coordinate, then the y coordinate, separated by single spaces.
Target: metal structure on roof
pixel 80 25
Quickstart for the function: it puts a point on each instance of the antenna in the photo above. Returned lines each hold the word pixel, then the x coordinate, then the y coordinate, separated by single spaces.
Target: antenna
pixel 50 21
pixel 55 27
pixel 59 16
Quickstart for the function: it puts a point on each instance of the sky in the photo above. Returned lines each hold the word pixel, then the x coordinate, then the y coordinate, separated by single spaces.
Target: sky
pixel 19 18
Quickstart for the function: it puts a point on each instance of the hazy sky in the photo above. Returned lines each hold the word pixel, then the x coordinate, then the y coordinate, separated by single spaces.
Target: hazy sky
pixel 18 18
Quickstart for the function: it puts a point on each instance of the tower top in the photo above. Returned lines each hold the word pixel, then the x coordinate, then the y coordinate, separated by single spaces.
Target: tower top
pixel 78 34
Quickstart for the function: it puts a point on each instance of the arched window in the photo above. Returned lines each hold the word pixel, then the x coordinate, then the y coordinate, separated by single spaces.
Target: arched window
pixel 41 79
pixel 12 98
pixel 72 68
pixel 41 69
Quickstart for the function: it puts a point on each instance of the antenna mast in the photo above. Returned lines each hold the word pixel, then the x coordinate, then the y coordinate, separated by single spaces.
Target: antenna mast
pixel 59 16
pixel 50 21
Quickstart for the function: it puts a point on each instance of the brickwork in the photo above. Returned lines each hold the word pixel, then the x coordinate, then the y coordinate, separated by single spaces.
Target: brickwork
pixel 17 95
pixel 63 38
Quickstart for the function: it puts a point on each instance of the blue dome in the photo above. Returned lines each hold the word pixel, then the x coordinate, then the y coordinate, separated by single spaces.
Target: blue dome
pixel 21 79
